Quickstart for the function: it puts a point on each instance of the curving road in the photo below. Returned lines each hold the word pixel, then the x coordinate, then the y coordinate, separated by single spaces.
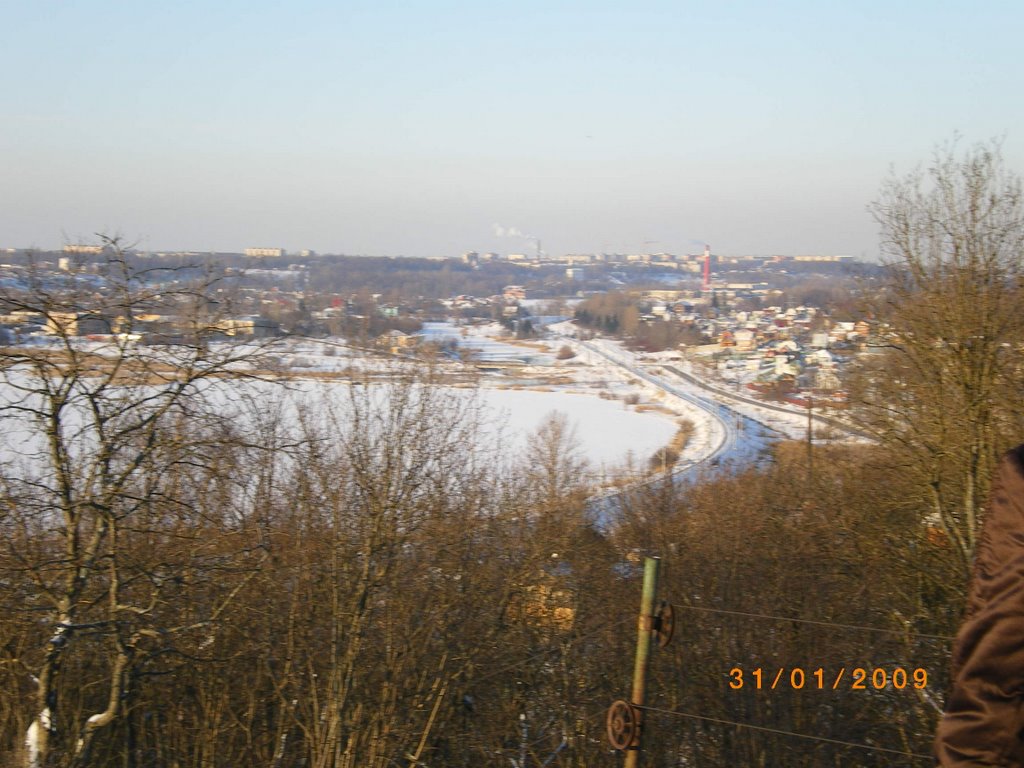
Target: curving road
pixel 722 435
pixel 728 439
pixel 818 417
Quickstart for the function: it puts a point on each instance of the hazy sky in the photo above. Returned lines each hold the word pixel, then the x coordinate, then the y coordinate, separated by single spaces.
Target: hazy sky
pixel 416 127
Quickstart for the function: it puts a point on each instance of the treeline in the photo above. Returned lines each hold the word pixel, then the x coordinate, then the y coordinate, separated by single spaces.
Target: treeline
pixel 786 578
pixel 377 589
pixel 613 313
pixel 407 279
pixel 619 314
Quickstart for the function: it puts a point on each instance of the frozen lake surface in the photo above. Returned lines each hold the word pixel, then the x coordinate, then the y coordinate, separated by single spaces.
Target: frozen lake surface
pixel 608 431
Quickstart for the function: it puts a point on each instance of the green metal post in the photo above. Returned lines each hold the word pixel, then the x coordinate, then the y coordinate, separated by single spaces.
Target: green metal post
pixel 644 635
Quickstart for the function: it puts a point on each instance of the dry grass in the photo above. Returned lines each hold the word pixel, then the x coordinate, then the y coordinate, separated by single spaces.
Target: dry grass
pixel 653 408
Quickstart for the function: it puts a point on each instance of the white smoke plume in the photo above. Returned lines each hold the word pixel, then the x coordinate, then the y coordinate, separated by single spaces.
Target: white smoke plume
pixel 501 231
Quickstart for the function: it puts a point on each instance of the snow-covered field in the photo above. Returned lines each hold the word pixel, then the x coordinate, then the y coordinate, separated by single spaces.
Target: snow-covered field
pixel 609 432
pixel 623 406
pixel 485 344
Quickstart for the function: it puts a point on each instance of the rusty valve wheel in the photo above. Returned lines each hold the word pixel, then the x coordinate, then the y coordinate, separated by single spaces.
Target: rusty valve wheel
pixel 623 724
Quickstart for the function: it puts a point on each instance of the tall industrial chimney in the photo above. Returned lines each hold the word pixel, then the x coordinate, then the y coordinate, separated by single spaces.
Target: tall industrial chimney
pixel 707 267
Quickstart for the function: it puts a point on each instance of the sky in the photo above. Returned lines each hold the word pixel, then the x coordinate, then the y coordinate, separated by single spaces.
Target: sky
pixel 432 128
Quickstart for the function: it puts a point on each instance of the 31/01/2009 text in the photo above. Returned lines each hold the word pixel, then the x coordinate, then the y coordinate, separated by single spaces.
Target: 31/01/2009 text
pixel 855 679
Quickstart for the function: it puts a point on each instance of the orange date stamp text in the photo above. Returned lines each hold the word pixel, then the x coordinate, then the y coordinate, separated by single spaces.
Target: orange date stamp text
pixel 843 678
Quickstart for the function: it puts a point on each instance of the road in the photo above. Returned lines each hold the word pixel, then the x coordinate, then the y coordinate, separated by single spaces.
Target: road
pixel 817 416
pixel 720 437
pixel 725 439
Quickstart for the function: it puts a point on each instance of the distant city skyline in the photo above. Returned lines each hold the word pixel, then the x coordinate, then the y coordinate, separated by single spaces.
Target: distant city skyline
pixel 429 128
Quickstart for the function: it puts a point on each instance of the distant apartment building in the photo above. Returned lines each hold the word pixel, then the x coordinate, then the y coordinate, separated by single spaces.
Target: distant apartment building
pixel 823 258
pixel 83 248
pixel 265 252
pixel 75 324
pixel 249 325
pixel 819 258
pixel 396 342
pixel 580 258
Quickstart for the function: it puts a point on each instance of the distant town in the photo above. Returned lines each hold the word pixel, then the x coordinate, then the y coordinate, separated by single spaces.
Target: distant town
pixel 784 327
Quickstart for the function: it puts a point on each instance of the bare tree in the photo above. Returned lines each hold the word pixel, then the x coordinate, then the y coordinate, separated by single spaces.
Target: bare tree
pixel 946 393
pixel 116 454
pixel 386 465
pixel 553 462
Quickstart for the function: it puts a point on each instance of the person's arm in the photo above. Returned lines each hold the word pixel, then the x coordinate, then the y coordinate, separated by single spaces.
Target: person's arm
pixel 983 724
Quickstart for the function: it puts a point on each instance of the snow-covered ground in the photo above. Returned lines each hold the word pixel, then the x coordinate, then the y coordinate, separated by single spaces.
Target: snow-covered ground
pixel 624 406
pixel 787 421
pixel 610 433
pixel 605 367
pixel 484 342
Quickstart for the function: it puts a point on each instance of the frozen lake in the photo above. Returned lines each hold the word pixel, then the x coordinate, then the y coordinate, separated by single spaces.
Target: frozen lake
pixel 608 432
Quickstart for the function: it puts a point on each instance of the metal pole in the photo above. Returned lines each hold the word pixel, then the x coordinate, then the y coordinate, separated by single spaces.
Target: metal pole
pixel 810 439
pixel 644 635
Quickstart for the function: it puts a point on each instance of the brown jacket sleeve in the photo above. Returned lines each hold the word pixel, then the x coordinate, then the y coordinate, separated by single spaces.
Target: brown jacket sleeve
pixel 983 724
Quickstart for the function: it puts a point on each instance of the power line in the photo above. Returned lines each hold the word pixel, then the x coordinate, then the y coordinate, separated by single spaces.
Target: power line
pixel 548 651
pixel 765 729
pixel 815 623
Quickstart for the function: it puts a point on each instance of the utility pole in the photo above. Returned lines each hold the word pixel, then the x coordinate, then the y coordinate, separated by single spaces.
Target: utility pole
pixel 625 718
pixel 810 440
pixel 645 631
